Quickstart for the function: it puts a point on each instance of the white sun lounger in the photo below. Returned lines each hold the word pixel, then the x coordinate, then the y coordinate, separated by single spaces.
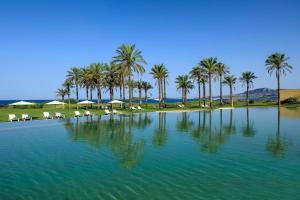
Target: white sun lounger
pixel 12 117
pixel 58 115
pixel 25 117
pixel 77 113
pixel 87 113
pixel 115 111
pixel 132 108
pixel 107 112
pixel 139 108
pixel 46 115
pixel 181 106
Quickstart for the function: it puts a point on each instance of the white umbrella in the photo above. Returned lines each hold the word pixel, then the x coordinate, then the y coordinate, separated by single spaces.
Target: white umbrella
pixel 86 102
pixel 56 103
pixel 116 102
pixel 21 103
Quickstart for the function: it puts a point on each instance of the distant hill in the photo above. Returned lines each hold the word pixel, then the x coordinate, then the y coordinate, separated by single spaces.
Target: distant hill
pixel 259 94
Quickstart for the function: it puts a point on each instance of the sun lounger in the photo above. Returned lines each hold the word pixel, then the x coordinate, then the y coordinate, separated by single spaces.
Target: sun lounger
pixel 58 115
pixel 132 108
pixel 107 112
pixel 139 108
pixel 46 115
pixel 88 113
pixel 115 111
pixel 181 106
pixel 25 117
pixel 12 117
pixel 77 113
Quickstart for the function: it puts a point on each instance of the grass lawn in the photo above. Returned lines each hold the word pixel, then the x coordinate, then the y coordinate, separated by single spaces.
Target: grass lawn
pixel 37 113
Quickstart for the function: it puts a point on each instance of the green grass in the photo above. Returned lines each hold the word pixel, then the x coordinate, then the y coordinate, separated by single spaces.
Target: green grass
pixel 37 111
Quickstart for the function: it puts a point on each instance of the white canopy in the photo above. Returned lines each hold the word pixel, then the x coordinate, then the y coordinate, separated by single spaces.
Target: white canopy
pixel 55 103
pixel 116 102
pixel 86 102
pixel 21 103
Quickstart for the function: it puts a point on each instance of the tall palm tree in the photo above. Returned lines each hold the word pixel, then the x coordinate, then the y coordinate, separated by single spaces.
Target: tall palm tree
pixel 196 74
pixel 75 74
pixel 209 64
pixel 146 86
pixel 230 81
pixel 139 85
pixel 185 84
pixel 158 72
pixel 111 79
pixel 97 73
pixel 130 60
pixel 164 82
pixel 203 81
pixel 247 78
pixel 68 85
pixel 61 93
pixel 220 71
pixel 278 62
pixel 85 80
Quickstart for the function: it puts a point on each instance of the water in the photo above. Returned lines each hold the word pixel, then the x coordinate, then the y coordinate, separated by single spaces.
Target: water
pixel 223 154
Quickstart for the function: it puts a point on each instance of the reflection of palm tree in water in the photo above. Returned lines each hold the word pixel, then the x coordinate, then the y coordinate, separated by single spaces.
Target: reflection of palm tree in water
pixel 230 128
pixel 113 133
pixel 184 124
pixel 160 136
pixel 248 129
pixel 278 146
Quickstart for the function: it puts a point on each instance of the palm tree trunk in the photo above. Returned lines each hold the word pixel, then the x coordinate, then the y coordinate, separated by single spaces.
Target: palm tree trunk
pixel 99 95
pixel 69 103
pixel 140 96
pixel 159 93
pixel 182 91
pixel 87 93
pixel 77 95
pixel 146 98
pixel 120 88
pixel 165 92
pixel 278 86
pixel 63 100
pixel 91 93
pixel 123 88
pixel 129 87
pixel 247 95
pixel 204 93
pixel 199 94
pixel 111 93
pixel 210 95
pixel 231 96
pixel 221 92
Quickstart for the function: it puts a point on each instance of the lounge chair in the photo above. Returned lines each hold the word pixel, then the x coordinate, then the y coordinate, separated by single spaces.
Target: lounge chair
pixel 107 112
pixel 77 113
pixel 180 106
pixel 25 117
pixel 46 115
pixel 87 113
pixel 12 117
pixel 139 108
pixel 58 115
pixel 115 111
pixel 132 108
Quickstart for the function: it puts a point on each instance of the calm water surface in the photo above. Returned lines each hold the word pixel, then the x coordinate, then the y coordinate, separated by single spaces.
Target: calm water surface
pixel 223 154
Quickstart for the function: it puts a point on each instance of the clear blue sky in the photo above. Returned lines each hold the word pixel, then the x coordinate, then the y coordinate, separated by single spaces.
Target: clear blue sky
pixel 41 40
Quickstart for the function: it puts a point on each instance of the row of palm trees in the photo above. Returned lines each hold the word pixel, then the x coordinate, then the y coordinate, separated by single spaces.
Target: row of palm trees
pixel 128 61
pixel 209 69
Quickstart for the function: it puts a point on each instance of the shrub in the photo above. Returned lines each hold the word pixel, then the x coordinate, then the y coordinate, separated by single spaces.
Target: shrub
pixel 290 100
pixel 251 101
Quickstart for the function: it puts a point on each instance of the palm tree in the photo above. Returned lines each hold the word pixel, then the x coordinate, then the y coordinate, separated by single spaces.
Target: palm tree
pixel 85 80
pixel 185 84
pixel 68 85
pixel 130 60
pixel 111 79
pixel 203 81
pixel 196 74
pixel 139 85
pixel 74 74
pixel 220 71
pixel 61 93
pixel 146 86
pixel 278 62
pixel 158 73
pixel 247 78
pixel 164 82
pixel 230 81
pixel 97 73
pixel 209 64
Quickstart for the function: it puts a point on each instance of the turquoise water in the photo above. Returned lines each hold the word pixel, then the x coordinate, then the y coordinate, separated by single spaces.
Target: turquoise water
pixel 223 154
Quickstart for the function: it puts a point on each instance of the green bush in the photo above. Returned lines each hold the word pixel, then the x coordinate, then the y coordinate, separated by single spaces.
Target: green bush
pixel 251 101
pixel 290 100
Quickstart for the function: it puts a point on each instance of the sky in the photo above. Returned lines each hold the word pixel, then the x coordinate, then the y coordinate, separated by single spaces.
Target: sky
pixel 41 40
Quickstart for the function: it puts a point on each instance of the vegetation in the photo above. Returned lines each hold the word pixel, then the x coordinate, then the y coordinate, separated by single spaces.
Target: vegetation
pixel 185 84
pixel 247 78
pixel 230 81
pixel 278 62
